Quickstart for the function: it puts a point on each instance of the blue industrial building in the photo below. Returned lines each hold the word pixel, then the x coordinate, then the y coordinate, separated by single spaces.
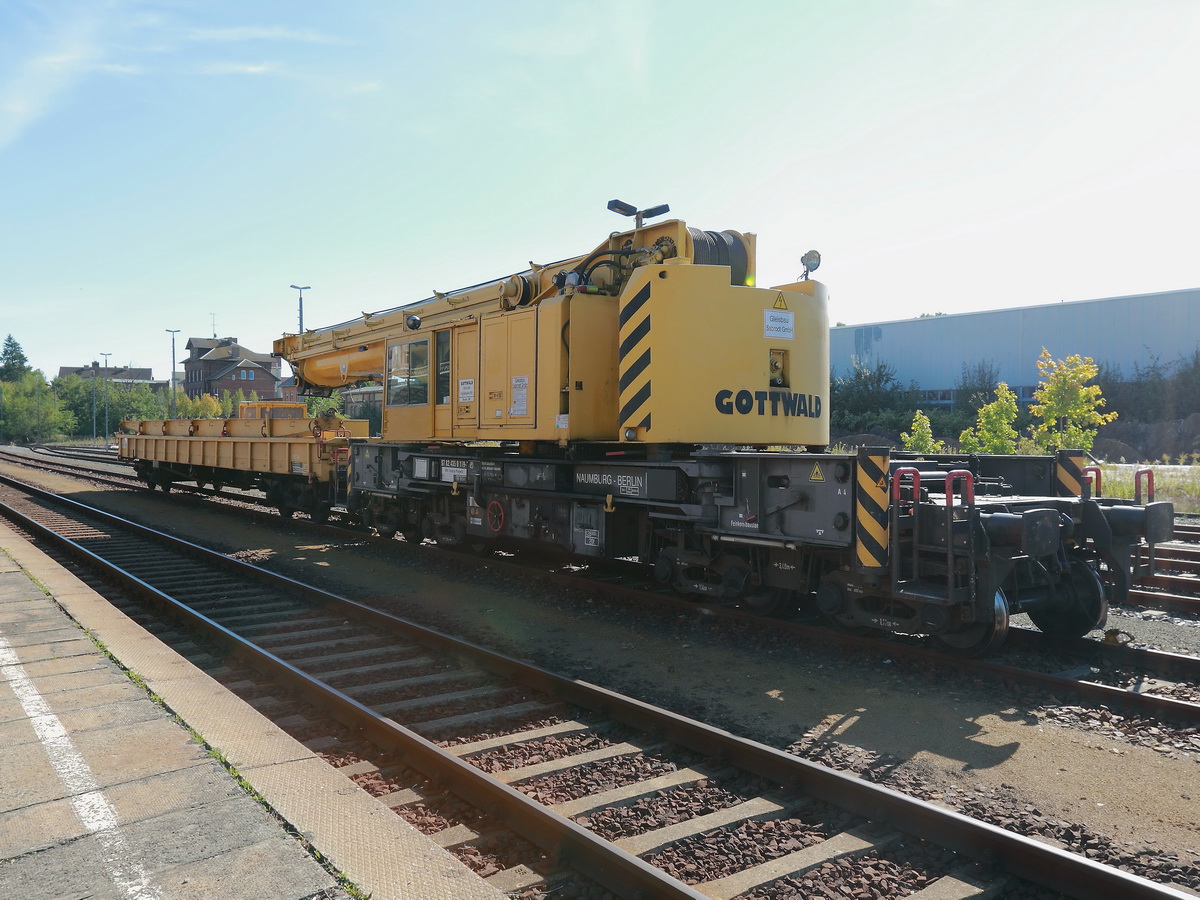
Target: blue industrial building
pixel 932 351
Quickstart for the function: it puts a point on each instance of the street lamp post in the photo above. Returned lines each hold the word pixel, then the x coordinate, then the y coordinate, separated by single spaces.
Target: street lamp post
pixel 297 287
pixel 106 356
pixel 173 332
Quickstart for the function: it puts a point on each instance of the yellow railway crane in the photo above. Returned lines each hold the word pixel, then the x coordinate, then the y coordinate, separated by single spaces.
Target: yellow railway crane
pixel 657 336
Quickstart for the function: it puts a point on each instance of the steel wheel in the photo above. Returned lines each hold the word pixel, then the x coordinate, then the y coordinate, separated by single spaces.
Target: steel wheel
pixel 980 638
pixel 1081 605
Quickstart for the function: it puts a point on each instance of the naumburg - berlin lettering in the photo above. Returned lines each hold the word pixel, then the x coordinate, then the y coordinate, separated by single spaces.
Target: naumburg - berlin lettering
pixel 769 403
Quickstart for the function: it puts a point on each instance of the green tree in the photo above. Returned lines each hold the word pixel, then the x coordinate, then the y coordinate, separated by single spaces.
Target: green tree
pixel 975 385
pixel 868 396
pixel 921 439
pixel 1185 385
pixel 31 413
pixel 993 431
pixel 206 406
pixel 231 402
pixel 136 401
pixel 13 362
pixel 318 405
pixel 1069 407
pixel 75 395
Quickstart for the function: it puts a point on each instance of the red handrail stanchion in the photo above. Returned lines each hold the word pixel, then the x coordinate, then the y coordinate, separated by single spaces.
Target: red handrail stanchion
pixel 1137 485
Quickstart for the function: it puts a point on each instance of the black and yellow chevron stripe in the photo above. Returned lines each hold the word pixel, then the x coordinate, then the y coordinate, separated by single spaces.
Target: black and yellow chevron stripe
pixel 634 362
pixel 1068 473
pixel 871 508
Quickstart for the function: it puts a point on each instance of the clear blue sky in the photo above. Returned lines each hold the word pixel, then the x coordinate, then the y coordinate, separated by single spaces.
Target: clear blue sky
pixel 165 164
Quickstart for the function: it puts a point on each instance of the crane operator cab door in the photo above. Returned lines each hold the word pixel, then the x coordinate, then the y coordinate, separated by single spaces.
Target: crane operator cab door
pixel 431 386
pixel 464 380
pixel 406 410
pixel 442 399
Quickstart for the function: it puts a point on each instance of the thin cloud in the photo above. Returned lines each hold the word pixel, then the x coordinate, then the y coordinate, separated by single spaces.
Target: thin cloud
pixel 260 33
pixel 241 69
pixel 51 69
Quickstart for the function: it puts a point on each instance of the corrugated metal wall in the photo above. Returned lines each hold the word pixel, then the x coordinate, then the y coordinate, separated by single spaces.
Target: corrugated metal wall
pixel 1119 331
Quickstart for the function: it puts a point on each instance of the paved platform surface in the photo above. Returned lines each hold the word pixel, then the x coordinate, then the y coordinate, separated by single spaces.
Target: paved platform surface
pixel 104 795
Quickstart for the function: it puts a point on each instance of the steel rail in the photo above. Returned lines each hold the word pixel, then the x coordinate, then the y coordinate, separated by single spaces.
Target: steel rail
pixel 1160 663
pixel 129 482
pixel 571 844
pixel 1164 600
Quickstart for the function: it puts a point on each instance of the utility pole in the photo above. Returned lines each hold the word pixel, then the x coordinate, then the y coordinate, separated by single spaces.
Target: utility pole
pixel 106 356
pixel 173 332
pixel 301 290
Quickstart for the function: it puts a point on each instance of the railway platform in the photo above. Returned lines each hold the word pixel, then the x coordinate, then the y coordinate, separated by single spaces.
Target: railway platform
pixel 106 794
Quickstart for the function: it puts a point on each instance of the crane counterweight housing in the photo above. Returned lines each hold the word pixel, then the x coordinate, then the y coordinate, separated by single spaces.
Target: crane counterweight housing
pixel 657 336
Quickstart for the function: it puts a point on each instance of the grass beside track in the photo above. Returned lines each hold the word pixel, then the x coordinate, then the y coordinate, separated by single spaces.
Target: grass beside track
pixel 1178 484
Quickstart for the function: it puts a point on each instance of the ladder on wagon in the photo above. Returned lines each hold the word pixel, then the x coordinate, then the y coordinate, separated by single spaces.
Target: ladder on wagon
pixel 932 547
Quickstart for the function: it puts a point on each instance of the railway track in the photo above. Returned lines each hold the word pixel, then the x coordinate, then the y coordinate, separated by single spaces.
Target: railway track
pixel 1177 585
pixel 1175 589
pixel 1136 681
pixel 743 816
pixel 91 454
pixel 109 474
pixel 1187 531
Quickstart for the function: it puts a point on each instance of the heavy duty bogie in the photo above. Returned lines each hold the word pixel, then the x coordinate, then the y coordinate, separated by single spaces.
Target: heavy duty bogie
pixel 940 554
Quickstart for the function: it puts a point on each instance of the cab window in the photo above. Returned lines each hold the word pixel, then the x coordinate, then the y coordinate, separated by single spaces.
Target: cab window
pixel 408 374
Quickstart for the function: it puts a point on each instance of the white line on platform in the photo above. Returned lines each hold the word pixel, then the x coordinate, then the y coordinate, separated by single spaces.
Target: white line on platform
pixel 91 806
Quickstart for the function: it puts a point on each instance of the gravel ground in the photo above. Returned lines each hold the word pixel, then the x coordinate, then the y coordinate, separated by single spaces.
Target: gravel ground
pixel 960 740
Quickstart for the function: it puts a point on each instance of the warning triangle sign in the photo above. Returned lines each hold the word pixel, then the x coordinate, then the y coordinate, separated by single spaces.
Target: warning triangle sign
pixel 780 303
pixel 817 474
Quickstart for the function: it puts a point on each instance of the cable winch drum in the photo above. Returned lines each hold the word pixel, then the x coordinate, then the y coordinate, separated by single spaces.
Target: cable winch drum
pixel 721 248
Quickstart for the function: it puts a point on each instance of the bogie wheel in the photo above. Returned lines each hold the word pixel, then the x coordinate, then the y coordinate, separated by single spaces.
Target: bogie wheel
pixel 1082 605
pixel 980 638
pixel 411 535
pixel 165 486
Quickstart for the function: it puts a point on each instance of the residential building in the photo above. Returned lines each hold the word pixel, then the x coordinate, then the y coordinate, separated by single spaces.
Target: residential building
pixel 114 374
pixel 215 365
